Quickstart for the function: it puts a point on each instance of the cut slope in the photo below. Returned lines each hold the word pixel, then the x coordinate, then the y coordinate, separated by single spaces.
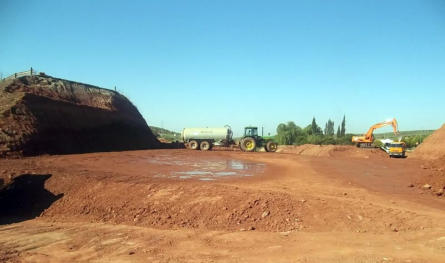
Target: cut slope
pixel 433 147
pixel 41 114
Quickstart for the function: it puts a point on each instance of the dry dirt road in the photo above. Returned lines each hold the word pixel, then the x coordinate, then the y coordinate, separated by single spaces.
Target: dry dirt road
pixel 219 206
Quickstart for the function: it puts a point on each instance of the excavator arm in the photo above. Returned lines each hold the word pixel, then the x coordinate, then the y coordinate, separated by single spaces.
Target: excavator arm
pixel 368 137
pixel 393 122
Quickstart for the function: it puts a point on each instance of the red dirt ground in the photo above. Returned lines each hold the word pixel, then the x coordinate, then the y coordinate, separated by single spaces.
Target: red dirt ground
pixel 332 151
pixel 351 205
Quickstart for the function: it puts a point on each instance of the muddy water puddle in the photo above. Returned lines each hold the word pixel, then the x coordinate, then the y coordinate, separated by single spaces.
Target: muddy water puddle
pixel 206 170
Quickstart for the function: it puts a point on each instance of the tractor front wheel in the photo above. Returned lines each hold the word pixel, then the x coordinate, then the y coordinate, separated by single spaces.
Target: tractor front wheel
pixel 271 146
pixel 248 144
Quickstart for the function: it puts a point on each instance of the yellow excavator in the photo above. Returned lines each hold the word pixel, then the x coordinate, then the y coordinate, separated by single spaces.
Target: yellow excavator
pixel 367 139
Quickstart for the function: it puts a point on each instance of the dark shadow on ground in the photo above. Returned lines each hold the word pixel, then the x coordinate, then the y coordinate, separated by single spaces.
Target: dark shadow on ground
pixel 25 198
pixel 172 145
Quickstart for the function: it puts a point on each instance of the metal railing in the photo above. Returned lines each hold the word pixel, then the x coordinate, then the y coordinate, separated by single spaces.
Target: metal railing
pixel 29 72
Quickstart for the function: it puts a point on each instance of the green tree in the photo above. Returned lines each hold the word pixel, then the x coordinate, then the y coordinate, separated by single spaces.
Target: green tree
pixel 377 143
pixel 338 131
pixel 308 129
pixel 329 128
pixel 288 133
pixel 413 141
pixel 343 126
pixel 316 130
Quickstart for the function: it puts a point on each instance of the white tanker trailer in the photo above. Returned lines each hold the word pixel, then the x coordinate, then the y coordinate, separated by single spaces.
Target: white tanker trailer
pixel 206 138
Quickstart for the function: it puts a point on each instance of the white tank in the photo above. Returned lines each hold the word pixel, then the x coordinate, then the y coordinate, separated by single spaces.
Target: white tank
pixel 214 134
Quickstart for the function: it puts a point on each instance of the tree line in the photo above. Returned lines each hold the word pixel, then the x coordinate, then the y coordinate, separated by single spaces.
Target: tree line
pixel 291 134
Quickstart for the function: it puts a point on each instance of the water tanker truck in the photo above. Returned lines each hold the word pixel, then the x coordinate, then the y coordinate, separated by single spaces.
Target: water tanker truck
pixel 205 138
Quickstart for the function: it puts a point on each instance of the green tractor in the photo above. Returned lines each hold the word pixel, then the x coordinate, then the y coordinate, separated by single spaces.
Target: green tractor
pixel 251 140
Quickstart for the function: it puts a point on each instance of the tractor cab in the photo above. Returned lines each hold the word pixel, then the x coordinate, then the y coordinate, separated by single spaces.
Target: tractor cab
pixel 251 132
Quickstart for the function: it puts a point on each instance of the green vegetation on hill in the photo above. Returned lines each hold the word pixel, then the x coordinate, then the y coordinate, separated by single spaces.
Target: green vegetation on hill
pixel 390 135
pixel 291 134
pixel 165 134
pixel 411 138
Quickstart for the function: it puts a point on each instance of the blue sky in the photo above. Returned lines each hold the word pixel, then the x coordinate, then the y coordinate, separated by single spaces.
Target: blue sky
pixel 211 63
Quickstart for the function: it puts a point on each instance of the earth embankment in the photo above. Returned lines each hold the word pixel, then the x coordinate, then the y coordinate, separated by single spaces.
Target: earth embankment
pixel 46 115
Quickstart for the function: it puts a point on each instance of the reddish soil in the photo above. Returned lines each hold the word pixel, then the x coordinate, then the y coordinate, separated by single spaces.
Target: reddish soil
pixel 431 154
pixel 224 206
pixel 433 147
pixel 332 151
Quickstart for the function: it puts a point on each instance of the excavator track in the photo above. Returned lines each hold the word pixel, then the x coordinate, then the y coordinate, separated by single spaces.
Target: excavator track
pixel 365 145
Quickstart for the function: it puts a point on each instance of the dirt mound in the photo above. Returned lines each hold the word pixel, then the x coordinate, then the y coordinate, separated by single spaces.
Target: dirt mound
pixel 433 147
pixel 432 155
pixel 173 205
pixel 42 114
pixel 331 151
pixel 433 179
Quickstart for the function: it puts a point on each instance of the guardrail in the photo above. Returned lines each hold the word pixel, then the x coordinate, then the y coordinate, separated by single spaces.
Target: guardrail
pixel 30 72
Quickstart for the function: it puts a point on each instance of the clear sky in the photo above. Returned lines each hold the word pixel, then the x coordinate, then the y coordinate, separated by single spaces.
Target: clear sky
pixel 211 63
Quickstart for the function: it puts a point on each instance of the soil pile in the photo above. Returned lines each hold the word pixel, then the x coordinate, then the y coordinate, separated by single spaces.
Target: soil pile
pixel 433 147
pixel 42 114
pixel 331 151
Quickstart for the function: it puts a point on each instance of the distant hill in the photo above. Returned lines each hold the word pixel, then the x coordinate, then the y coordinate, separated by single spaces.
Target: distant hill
pixel 165 134
pixel 391 135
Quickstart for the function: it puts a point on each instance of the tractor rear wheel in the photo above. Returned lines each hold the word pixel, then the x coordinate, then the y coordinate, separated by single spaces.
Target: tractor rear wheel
pixel 248 144
pixel 194 145
pixel 205 146
pixel 271 146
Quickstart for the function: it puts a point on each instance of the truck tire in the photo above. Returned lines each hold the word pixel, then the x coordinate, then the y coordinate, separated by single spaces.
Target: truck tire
pixel 248 144
pixel 205 146
pixel 271 146
pixel 194 145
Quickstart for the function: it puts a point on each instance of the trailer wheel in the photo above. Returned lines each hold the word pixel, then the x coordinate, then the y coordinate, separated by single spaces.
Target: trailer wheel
pixel 205 146
pixel 271 146
pixel 248 144
pixel 194 145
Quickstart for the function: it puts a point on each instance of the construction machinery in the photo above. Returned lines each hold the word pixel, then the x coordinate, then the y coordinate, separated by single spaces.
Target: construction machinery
pixel 205 138
pixel 367 139
pixel 396 149
pixel 251 140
